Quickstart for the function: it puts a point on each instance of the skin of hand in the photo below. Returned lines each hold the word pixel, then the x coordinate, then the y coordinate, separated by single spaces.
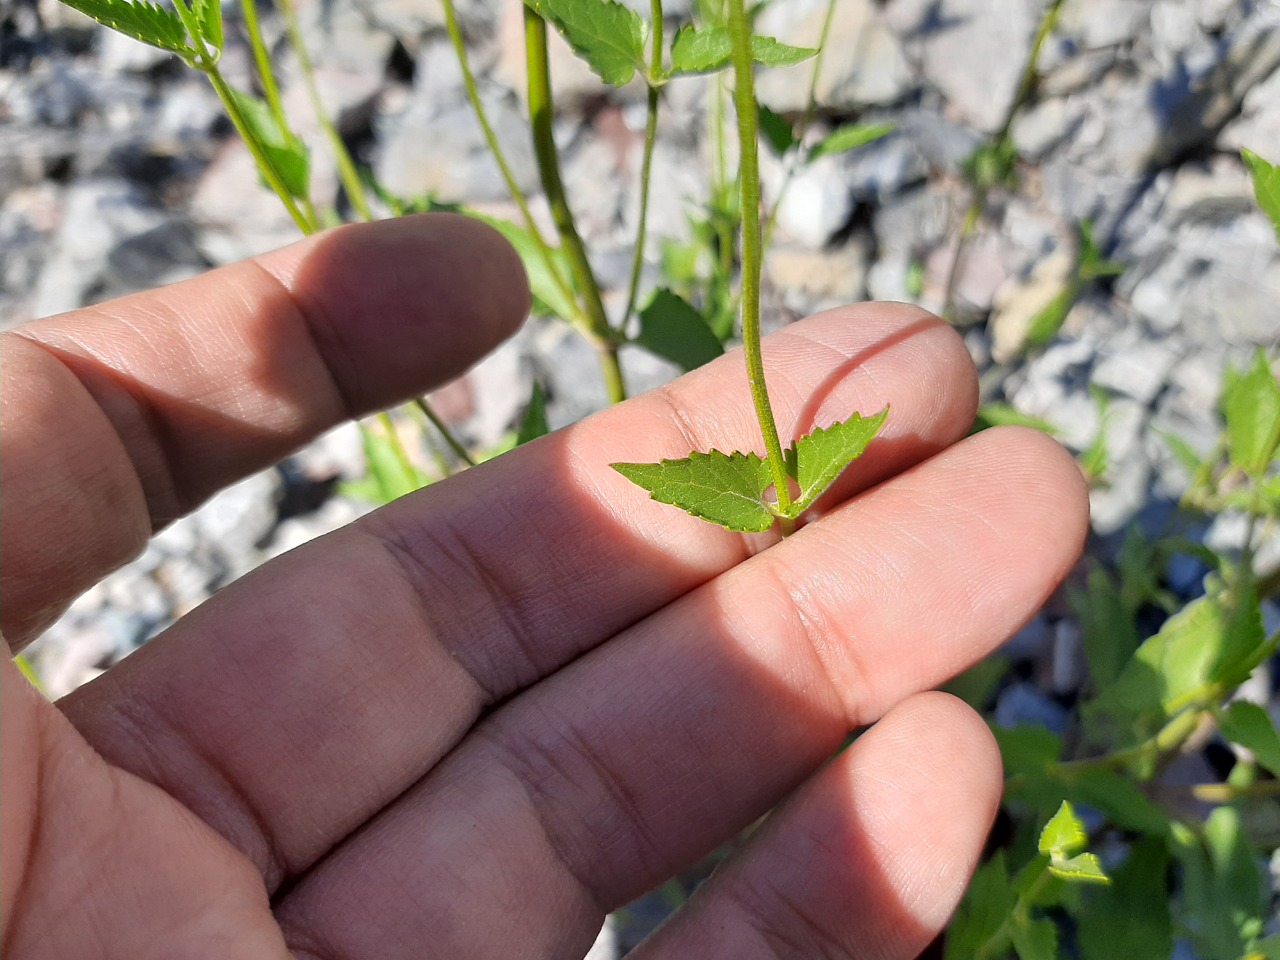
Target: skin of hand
pixel 476 720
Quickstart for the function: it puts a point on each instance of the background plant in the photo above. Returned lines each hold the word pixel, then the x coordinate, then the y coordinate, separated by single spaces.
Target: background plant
pixel 1111 764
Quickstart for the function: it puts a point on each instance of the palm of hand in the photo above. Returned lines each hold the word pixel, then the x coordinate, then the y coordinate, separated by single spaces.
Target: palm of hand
pixel 473 722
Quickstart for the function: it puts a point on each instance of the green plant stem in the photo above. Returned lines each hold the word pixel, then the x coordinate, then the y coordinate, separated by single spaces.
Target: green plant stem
pixel 646 167
pixel 749 177
pixel 978 204
pixel 261 56
pixel 541 119
pixel 305 222
pixel 998 944
pixel 811 108
pixel 495 148
pixel 459 450
pixel 1223 793
pixel 351 181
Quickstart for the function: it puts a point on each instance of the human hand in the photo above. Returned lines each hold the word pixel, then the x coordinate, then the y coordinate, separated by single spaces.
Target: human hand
pixel 474 721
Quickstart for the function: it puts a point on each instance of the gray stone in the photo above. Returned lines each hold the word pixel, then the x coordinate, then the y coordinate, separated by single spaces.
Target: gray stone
pixel 1021 703
pixel 864 64
pixel 1104 23
pixel 817 204
pixel 97 216
pixel 974 51
pixel 1258 126
pixel 1137 368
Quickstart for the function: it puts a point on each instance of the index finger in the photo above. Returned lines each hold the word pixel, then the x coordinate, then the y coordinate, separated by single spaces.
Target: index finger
pixel 121 417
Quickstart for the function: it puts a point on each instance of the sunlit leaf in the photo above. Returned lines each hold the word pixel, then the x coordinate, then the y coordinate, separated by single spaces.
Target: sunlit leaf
pixel 727 489
pixel 1251 406
pixel 1064 835
pixel 707 49
pixel 848 138
pixel 1266 185
pixel 286 153
pixel 607 35
pixel 141 20
pixel 549 296
pixel 817 459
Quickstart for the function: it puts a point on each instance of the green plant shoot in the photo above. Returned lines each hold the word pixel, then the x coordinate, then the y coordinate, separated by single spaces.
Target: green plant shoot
pixel 732 489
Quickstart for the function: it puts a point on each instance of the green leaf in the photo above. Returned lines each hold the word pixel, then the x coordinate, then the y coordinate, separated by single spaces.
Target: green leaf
pixel 848 138
pixel 1096 457
pixel 548 296
pixel 534 423
pixel 1248 725
pixel 1064 835
pixel 1002 414
pixel 987 904
pixel 147 22
pixel 1182 451
pixel 1034 939
pixel 673 329
pixel 389 476
pixel 1251 406
pixel 1130 918
pixel 208 14
pixel 1110 634
pixel 1117 796
pixel 1082 868
pixel 776 131
pixel 1214 639
pixel 818 458
pixel 604 33
pixel 1266 185
pixel 1045 325
pixel 1224 890
pixel 727 489
pixel 707 49
pixel 287 154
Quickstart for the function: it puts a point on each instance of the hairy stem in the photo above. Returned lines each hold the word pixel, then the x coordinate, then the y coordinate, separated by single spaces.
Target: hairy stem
pixel 646 167
pixel 305 223
pixel 351 181
pixel 541 118
pixel 749 177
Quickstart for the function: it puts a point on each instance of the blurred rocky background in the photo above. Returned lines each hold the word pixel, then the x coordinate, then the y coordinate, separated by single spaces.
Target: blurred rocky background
pixel 118 172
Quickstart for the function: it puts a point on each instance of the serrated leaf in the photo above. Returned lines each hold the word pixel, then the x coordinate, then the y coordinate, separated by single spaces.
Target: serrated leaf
pixel 707 49
pixel 672 328
pixel 548 295
pixel 727 489
pixel 849 137
pixel 817 459
pixel 208 14
pixel 287 154
pixel 147 22
pixel 604 33
pixel 1082 868
pixel 1034 939
pixel 1251 406
pixel 1064 835
pixel 776 131
pixel 1249 725
pixel 1266 186
pixel 534 422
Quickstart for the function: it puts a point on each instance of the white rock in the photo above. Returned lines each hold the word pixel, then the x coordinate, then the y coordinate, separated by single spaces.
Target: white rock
pixel 1138 370
pixel 864 64
pixel 976 53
